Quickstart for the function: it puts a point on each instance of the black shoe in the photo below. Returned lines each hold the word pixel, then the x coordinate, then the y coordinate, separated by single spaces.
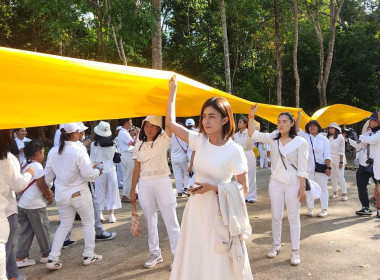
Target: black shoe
pixel 68 243
pixel 179 195
pixel 364 212
pixel 105 236
pixel 378 215
pixel 251 201
pixel 186 191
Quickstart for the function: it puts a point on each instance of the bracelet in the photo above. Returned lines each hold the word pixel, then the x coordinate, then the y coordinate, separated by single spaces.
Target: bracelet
pixel 328 167
pixel 251 117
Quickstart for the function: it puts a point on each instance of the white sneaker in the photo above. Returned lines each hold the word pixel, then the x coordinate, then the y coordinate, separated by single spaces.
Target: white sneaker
pixel 295 258
pixel 43 260
pixel 54 265
pixel 344 198
pixel 153 260
pixel 310 213
pixel 91 260
pixel 274 251
pixel 25 262
pixel 333 196
pixel 112 218
pixel 322 214
pixel 101 217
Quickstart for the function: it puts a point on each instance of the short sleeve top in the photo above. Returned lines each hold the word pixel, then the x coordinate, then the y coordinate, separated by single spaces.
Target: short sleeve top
pixel 216 164
pixel 152 156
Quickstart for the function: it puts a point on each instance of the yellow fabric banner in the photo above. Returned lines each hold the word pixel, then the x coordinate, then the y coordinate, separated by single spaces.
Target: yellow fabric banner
pixel 39 89
pixel 339 113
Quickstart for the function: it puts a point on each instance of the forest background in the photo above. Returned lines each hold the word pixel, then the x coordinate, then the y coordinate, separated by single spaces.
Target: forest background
pixel 299 53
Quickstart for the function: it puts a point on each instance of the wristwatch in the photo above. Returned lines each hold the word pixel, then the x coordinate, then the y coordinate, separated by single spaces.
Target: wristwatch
pixel 328 167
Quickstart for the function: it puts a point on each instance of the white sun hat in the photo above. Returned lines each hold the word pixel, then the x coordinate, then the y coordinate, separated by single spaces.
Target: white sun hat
pixel 153 119
pixel 335 125
pixel 103 129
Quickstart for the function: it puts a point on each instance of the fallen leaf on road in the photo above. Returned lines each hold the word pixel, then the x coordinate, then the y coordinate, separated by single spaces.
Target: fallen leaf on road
pixel 338 251
pixel 364 265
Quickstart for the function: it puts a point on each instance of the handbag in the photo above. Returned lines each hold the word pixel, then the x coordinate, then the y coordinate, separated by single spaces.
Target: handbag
pixel 135 222
pixel 117 155
pixel 319 167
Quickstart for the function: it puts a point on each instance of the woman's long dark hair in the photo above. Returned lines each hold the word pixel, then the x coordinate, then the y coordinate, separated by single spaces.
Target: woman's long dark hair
pixel 292 131
pixel 64 137
pixel 336 133
pixel 103 141
pixel 144 138
pixel 5 143
pixel 31 148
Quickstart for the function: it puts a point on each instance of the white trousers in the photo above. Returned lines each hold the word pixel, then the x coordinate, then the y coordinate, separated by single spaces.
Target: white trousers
pixel 263 157
pixel 321 179
pixel 280 194
pixel 83 205
pixel 337 176
pixel 159 192
pixel 128 165
pixel 107 192
pixel 251 159
pixel 180 175
pixel 119 172
pixel 4 233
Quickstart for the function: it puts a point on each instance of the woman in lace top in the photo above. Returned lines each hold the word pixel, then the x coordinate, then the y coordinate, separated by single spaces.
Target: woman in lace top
pixel 151 171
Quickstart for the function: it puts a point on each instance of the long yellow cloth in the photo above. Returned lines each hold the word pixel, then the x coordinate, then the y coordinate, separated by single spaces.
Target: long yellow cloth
pixel 341 114
pixel 39 89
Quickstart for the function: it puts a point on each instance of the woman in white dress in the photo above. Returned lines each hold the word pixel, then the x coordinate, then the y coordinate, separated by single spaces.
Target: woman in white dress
pixel 338 160
pixel 287 185
pixel 106 188
pixel 217 159
pixel 243 139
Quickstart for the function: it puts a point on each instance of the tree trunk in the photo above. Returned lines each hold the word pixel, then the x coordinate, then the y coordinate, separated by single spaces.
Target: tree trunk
pixel 157 38
pixel 225 48
pixel 295 51
pixel 278 52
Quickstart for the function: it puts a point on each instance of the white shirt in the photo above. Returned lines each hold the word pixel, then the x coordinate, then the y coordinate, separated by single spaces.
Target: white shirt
pixel 105 155
pixel 72 170
pixel 33 198
pixel 361 148
pixel 57 137
pixel 244 140
pixel 125 140
pixel 178 152
pixel 337 147
pixel 318 146
pixel 20 145
pixel 11 180
pixel 152 157
pixel 374 141
pixel 295 152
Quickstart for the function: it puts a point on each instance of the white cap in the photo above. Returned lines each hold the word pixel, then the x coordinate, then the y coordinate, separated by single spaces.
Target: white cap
pixel 83 127
pixel 153 119
pixel 103 129
pixel 118 128
pixel 189 122
pixel 71 127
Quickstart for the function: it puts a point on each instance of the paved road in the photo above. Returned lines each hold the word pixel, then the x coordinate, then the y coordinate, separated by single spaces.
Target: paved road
pixel 340 246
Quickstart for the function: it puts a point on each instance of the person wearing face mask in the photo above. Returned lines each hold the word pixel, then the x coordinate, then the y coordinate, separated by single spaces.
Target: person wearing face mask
pixel 151 171
pixel 71 167
pixel 287 185
pixel 201 253
pixel 21 139
pixel 369 162
pixel 319 163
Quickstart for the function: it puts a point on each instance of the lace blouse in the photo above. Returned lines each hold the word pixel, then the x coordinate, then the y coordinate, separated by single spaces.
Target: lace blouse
pixel 152 156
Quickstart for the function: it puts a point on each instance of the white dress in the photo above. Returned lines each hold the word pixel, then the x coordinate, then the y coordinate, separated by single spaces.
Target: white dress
pixel 196 257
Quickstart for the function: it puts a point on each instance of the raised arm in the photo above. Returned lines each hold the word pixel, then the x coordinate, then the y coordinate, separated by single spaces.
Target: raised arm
pixel 251 120
pixel 298 121
pixel 170 120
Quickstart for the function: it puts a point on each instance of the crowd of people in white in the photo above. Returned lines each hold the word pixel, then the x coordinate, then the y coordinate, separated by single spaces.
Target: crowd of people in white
pixel 87 175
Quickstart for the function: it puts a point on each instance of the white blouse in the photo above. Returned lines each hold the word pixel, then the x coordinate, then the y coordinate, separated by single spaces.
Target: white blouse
pixel 152 156
pixel 337 147
pixel 319 145
pixel 244 140
pixel 105 155
pixel 72 169
pixel 295 152
pixel 374 141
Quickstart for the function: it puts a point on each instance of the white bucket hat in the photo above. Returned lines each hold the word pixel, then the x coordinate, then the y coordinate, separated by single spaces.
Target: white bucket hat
pixel 335 125
pixel 153 119
pixel 103 129
pixel 71 127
